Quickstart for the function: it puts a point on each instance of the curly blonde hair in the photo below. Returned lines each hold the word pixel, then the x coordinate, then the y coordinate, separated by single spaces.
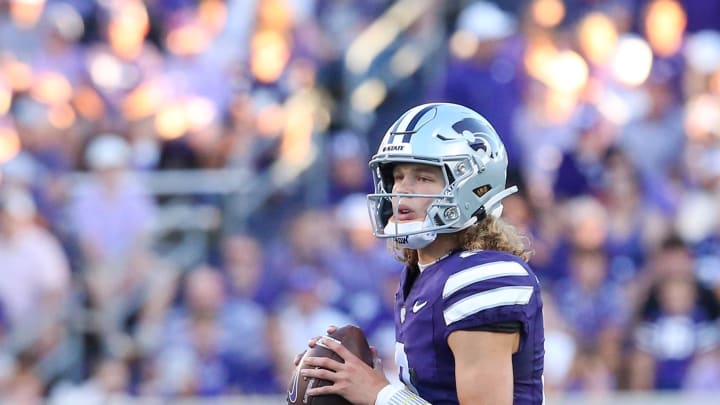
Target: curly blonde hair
pixel 489 234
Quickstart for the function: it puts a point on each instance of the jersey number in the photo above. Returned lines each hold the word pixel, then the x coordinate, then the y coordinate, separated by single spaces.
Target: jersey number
pixel 402 362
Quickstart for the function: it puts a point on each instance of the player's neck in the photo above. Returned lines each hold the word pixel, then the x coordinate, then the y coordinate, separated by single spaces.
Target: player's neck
pixel 440 247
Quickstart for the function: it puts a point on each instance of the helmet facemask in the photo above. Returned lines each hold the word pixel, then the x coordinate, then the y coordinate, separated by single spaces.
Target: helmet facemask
pixel 443 215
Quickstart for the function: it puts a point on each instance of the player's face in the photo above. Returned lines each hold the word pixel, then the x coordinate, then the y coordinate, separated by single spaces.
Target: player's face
pixel 411 178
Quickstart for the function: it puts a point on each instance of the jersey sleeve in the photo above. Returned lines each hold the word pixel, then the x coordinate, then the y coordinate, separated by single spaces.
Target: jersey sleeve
pixel 489 293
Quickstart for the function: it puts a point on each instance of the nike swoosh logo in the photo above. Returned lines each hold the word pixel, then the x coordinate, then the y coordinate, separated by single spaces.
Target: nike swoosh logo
pixel 418 306
pixel 292 394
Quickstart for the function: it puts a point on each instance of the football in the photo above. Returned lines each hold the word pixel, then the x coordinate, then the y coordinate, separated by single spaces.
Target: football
pixel 354 340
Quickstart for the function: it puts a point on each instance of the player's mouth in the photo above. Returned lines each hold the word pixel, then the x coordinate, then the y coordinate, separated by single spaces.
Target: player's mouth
pixel 405 213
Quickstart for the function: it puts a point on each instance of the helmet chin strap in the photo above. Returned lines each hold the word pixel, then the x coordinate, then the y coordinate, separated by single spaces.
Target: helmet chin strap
pixel 417 240
pixel 494 203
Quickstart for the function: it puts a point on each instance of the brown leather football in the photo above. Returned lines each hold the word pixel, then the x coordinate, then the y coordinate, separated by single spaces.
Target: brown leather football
pixel 354 340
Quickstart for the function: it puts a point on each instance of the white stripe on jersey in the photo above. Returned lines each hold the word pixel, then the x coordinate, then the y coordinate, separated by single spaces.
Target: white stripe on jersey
pixel 481 272
pixel 497 297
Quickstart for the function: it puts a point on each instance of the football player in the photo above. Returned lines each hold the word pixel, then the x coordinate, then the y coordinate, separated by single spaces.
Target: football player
pixel 468 316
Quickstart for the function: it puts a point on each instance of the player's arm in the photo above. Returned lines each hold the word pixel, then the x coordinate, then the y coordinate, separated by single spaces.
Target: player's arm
pixel 483 370
pixel 485 305
pixel 483 366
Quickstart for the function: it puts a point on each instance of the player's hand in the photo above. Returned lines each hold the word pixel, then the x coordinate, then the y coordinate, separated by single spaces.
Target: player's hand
pixel 354 380
pixel 312 342
pixel 299 357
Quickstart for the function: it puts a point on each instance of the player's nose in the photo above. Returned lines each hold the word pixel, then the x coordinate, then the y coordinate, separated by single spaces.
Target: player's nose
pixel 403 186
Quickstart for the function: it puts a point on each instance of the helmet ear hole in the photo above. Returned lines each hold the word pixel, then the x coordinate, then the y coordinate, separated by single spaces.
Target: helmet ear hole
pixel 482 190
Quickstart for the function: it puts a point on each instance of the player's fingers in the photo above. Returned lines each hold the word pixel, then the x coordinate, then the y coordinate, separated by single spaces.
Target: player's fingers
pixel 299 357
pixel 323 362
pixel 318 373
pixel 326 390
pixel 337 347
pixel 313 341
pixel 377 360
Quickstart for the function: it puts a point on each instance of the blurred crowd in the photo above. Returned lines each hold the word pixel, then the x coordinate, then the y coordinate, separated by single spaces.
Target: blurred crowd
pixel 182 183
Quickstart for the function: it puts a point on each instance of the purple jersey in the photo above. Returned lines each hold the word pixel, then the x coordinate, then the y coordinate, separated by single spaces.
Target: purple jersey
pixel 465 291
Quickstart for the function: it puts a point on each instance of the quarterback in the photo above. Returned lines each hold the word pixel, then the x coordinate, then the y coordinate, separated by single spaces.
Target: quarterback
pixel 468 313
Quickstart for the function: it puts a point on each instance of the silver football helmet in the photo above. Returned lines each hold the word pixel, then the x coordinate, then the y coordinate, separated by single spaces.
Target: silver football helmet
pixel 474 163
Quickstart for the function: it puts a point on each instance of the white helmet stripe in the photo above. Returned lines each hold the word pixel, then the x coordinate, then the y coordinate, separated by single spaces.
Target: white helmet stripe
pixel 416 118
pixel 404 119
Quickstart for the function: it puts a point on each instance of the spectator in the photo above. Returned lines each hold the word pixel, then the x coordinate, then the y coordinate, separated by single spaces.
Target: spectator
pixel 124 46
pixel 312 240
pixel 482 72
pixel 244 267
pixel 348 167
pixel 110 381
pixel 250 297
pixel 212 331
pixel 560 347
pixel 364 263
pixel 653 140
pixel 581 168
pixel 591 374
pixel 671 337
pixel 37 298
pixel 305 314
pixel 543 133
pixel 630 214
pixel 112 213
pixel 591 304
pixel 202 367
pixel 673 259
pixel 112 216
